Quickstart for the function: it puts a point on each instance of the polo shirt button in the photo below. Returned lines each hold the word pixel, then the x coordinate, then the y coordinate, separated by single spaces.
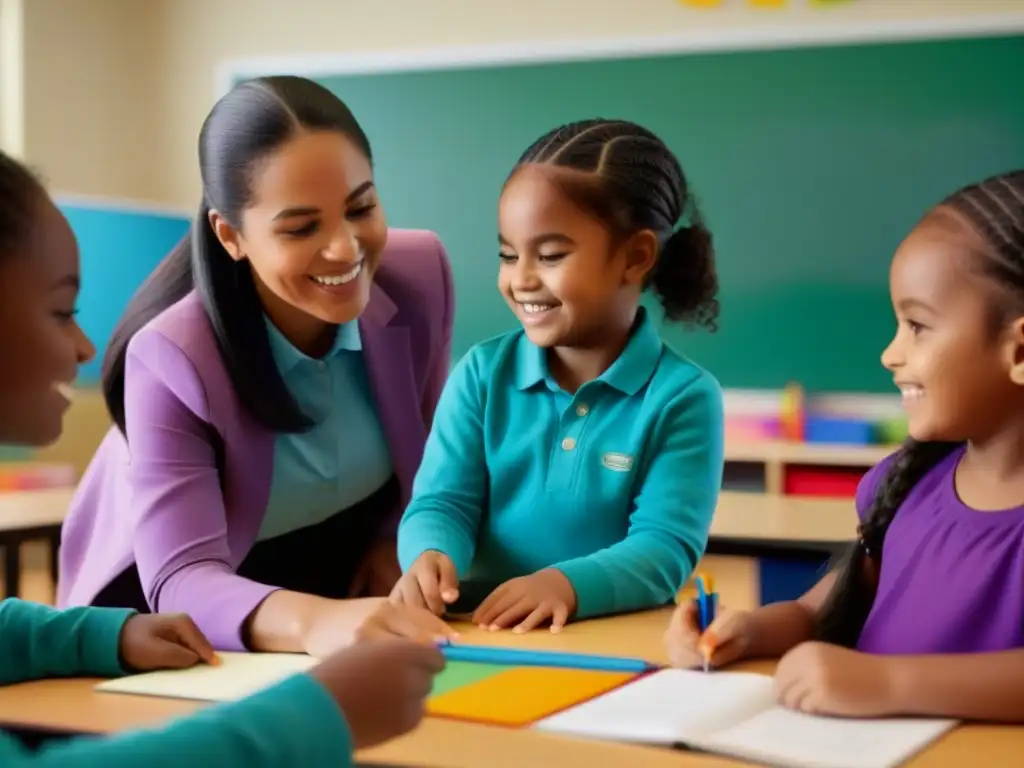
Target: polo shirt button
pixel 582 410
pixel 568 444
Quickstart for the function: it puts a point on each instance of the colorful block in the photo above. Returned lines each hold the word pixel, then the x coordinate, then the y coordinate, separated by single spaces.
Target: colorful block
pixel 517 696
pixel 457 674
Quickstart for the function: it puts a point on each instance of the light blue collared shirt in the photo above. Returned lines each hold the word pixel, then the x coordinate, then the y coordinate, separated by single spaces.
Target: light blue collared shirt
pixel 615 485
pixel 344 458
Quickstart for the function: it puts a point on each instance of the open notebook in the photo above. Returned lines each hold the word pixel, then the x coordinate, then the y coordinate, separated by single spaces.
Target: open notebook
pixel 237 676
pixel 735 714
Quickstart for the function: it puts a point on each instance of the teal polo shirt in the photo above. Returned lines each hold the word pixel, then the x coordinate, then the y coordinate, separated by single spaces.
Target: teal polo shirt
pixel 614 485
pixel 344 458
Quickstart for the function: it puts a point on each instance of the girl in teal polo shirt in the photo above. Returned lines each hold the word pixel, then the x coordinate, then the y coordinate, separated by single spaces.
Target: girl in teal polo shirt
pixel 355 698
pixel 574 465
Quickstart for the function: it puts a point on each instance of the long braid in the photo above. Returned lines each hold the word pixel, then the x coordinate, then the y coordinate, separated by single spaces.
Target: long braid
pixel 994 208
pixel 632 181
pixel 842 617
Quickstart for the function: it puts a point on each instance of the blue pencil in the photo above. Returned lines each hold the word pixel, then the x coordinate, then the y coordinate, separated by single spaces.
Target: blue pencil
pixel 483 654
pixel 707 605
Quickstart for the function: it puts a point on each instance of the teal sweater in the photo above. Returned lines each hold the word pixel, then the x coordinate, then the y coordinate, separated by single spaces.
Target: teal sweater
pixel 614 485
pixel 293 723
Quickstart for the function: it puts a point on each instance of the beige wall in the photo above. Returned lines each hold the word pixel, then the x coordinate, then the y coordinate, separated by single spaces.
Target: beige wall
pixel 201 33
pixel 90 119
pixel 115 90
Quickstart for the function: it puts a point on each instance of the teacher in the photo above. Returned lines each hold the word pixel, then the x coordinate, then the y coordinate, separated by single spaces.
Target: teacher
pixel 271 384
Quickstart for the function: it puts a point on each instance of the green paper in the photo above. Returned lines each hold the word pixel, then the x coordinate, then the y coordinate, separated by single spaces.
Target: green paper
pixel 459 673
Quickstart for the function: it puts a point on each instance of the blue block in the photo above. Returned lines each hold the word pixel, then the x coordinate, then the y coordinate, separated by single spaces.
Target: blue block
pixel 822 429
pixel 788 579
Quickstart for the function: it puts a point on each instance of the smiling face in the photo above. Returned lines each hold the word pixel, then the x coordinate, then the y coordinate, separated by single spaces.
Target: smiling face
pixel 561 273
pixel 954 354
pixel 41 341
pixel 313 233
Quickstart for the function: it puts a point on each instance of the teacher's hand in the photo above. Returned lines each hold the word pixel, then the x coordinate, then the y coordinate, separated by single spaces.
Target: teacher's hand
pixel 378 572
pixel 346 622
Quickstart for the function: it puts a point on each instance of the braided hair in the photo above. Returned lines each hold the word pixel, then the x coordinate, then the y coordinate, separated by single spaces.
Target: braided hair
pixel 630 180
pixel 20 194
pixel 994 209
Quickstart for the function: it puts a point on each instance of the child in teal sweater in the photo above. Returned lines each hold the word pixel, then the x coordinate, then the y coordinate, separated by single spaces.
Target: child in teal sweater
pixel 359 697
pixel 573 466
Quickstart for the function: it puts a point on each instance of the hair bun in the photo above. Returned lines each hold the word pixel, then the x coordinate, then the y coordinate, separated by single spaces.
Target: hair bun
pixel 685 277
pixel 693 238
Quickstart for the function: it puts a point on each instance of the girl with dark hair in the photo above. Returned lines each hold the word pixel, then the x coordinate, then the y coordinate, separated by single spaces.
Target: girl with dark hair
pixel 359 697
pixel 574 466
pixel 925 616
pixel 272 384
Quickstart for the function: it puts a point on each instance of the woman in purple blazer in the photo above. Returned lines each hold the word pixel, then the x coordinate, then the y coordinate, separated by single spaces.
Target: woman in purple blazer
pixel 272 384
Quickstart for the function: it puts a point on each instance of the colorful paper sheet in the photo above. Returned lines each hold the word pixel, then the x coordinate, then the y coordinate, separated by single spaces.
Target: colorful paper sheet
pixel 516 696
pixel 486 693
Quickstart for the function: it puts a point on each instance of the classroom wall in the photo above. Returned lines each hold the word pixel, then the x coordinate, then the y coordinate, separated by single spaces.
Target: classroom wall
pixel 200 34
pixel 106 97
pixel 79 102
pixel 133 80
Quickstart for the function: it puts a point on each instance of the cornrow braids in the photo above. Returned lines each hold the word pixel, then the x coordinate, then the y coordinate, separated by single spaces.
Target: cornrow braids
pixel 20 193
pixel 632 181
pixel 994 208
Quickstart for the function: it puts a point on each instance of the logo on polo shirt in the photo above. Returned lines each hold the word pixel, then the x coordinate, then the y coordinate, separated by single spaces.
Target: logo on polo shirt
pixel 619 462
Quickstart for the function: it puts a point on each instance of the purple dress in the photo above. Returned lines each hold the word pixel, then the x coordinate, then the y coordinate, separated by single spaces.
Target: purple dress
pixel 952 578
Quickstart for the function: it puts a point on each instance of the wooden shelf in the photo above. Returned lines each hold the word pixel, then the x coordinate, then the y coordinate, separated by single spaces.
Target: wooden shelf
pixel 761 466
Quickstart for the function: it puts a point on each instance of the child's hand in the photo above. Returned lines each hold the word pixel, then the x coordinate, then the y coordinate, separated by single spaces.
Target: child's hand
pixel 823 679
pixel 432 582
pixel 163 641
pixel 345 622
pixel 381 686
pixel 725 641
pixel 528 601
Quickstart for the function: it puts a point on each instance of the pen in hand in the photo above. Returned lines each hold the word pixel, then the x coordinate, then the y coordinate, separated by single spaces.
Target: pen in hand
pixel 706 603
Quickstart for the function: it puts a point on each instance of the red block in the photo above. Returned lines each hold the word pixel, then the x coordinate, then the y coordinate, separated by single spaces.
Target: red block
pixel 820 481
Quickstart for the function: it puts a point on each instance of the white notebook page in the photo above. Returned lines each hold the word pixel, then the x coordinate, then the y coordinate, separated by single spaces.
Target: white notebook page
pixel 668 707
pixel 784 737
pixel 237 676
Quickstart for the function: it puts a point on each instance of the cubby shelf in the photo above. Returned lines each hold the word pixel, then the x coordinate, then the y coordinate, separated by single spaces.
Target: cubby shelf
pixel 763 466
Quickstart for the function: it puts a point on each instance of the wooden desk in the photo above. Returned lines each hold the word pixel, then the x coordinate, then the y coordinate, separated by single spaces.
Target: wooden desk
pixel 745 525
pixel 756 522
pixel 72 706
pixel 748 527
pixel 30 516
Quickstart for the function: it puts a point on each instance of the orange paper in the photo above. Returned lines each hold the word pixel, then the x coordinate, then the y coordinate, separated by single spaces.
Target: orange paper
pixel 522 695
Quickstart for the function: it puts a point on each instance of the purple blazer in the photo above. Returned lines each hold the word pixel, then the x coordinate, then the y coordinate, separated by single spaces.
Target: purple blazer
pixel 158 499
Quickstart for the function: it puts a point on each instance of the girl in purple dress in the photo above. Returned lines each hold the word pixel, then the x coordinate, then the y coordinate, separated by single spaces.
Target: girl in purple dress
pixel 926 614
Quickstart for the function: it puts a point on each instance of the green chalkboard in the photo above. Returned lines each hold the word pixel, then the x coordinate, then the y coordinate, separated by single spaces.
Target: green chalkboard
pixel 810 166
